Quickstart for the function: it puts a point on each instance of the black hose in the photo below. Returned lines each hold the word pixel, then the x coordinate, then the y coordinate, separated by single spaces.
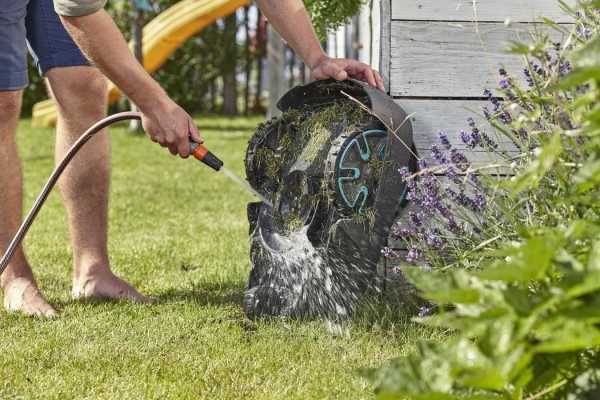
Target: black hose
pixel 37 206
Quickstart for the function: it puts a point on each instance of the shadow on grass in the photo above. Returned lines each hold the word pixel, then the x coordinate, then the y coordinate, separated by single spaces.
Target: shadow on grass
pixel 206 294
pixel 209 294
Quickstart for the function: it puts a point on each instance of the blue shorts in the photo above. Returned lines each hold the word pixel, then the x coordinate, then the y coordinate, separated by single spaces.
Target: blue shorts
pixel 32 24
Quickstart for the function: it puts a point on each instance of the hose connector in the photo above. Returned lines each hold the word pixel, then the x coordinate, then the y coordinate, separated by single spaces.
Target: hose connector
pixel 201 153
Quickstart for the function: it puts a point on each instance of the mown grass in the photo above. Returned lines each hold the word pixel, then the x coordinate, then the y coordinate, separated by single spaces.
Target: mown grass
pixel 178 232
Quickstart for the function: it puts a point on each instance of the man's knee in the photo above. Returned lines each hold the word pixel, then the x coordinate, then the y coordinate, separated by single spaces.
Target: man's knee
pixel 82 90
pixel 10 105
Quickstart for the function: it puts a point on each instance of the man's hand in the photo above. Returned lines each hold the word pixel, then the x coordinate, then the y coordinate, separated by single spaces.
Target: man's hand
pixel 290 19
pixel 170 126
pixel 342 69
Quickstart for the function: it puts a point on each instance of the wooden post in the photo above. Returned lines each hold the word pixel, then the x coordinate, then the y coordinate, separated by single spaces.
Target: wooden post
pixel 138 51
pixel 261 50
pixel 248 60
pixel 276 65
pixel 229 68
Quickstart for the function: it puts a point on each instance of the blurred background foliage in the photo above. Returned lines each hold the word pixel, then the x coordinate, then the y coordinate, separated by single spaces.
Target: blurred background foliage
pixel 193 76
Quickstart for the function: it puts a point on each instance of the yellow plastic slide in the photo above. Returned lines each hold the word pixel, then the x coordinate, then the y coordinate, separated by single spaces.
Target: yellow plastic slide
pixel 162 36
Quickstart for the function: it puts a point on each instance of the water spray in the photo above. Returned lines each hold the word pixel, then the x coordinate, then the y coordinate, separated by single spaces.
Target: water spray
pixel 199 151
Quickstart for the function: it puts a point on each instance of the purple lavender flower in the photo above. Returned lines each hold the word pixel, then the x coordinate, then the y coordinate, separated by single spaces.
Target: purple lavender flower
pixel 396 270
pixel 523 134
pixel 471 122
pixel 453 227
pixel 412 195
pixel 465 137
pixel 434 239
pixel 506 118
pixel 494 100
pixel 502 72
pixel 564 68
pixel 424 311
pixel 474 178
pixel 413 255
pixel 438 155
pixel 505 84
pixel 415 219
pixel 479 202
pixel 444 211
pixel 452 174
pixel 486 112
pixel 387 252
pixel 489 141
pixel 528 77
pixel 400 232
pixel 407 178
pixel 459 160
pixel 404 173
pixel 472 138
pixel 443 138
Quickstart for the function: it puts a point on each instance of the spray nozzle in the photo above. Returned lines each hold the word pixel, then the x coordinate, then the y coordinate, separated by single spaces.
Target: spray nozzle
pixel 201 153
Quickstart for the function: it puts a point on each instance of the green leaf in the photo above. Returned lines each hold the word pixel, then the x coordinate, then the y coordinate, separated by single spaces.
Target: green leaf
pixel 587 310
pixel 588 56
pixel 561 335
pixel 578 77
pixel 450 287
pixel 594 257
pixel 547 156
pixel 588 282
pixel 528 262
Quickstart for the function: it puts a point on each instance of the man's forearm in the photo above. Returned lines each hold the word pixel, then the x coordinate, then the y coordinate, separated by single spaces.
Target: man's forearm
pixel 102 42
pixel 290 19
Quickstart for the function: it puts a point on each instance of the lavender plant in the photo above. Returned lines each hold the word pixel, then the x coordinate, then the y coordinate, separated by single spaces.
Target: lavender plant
pixel 461 208
pixel 516 260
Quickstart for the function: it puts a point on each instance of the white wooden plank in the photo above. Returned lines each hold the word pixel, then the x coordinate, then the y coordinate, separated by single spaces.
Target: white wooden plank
pixel 437 59
pixel 429 117
pixel 479 10
pixel 385 52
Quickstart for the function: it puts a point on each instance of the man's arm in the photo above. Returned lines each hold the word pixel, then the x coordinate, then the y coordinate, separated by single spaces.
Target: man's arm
pixel 164 121
pixel 290 19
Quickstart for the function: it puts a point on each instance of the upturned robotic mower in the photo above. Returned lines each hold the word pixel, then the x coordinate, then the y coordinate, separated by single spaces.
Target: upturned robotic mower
pixel 330 167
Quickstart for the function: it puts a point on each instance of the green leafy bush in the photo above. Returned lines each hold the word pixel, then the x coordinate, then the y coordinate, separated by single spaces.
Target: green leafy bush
pixel 330 14
pixel 512 266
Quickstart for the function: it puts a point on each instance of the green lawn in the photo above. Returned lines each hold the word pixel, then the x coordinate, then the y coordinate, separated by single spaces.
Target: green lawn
pixel 178 232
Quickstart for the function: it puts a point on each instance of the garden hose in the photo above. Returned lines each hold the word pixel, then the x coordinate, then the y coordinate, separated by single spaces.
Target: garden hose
pixel 200 152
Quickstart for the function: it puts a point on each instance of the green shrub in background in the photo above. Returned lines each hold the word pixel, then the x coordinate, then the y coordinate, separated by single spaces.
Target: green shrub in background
pixel 328 15
pixel 518 286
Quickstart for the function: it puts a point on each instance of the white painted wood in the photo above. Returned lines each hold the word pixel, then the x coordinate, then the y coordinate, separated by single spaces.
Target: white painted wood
pixel 479 10
pixel 364 34
pixel 331 48
pixel 385 56
pixel 437 59
pixel 376 29
pixel 276 64
pixel 340 42
pixel 429 117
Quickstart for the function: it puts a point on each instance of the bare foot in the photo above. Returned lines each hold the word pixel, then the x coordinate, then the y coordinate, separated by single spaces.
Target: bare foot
pixel 106 285
pixel 23 295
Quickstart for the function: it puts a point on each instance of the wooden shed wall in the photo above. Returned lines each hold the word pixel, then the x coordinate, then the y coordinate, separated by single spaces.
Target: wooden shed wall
pixel 439 55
